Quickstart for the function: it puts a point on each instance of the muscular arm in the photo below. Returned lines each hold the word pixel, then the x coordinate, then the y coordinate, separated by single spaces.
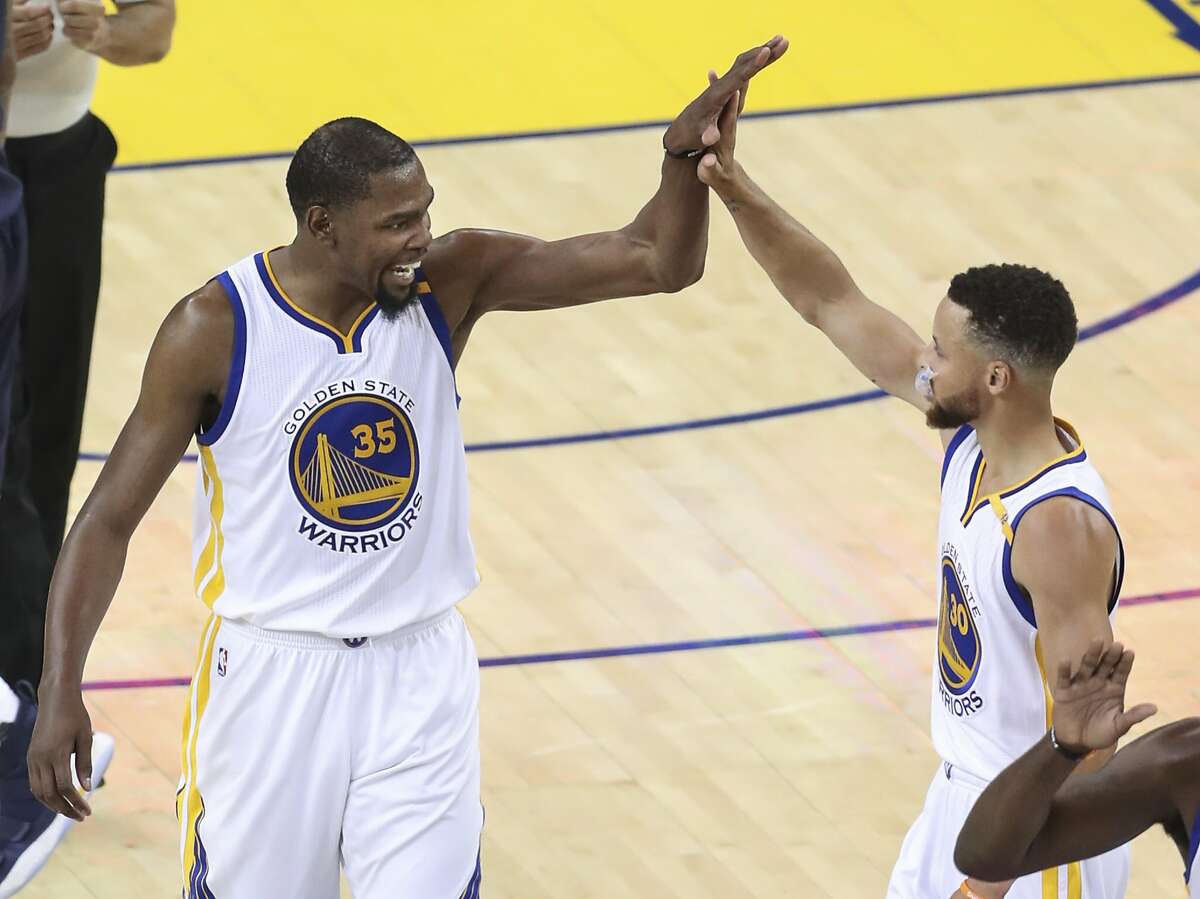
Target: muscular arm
pixel 137 34
pixel 1065 557
pixel 187 367
pixel 661 251
pixel 1032 817
pixel 817 285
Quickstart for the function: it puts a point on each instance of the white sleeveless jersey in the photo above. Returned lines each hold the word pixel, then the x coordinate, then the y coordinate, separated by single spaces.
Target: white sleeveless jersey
pixel 332 493
pixel 991 701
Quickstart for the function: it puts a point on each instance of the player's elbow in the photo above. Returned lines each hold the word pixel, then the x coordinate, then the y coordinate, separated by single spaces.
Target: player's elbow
pixel 971 857
pixel 673 279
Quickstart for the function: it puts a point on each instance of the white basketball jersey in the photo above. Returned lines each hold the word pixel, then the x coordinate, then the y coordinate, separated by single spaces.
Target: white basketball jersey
pixel 991 701
pixel 332 493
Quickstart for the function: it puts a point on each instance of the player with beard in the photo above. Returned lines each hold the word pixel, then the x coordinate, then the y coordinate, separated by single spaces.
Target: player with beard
pixel 1029 556
pixel 333 715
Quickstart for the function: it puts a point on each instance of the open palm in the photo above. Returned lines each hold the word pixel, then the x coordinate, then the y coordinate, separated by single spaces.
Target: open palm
pixel 1089 703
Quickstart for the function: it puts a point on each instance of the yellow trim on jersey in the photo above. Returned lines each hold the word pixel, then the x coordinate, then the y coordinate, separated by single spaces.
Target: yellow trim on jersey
pixel 214 547
pixel 973 501
pixel 976 503
pixel 346 339
pixel 190 805
pixel 1074 872
pixel 1002 514
pixel 1041 663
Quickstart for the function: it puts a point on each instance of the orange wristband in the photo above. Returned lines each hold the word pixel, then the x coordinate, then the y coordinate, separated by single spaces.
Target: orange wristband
pixel 969 893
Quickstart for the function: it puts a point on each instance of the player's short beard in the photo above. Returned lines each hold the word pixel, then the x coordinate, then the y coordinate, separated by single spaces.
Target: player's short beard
pixel 391 305
pixel 953 412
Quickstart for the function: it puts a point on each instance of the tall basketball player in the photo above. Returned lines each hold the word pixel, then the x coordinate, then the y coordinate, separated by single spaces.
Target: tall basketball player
pixel 1029 555
pixel 333 713
pixel 1034 814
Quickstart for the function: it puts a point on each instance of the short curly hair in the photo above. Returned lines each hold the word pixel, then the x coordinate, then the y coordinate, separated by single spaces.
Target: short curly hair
pixel 334 165
pixel 1022 314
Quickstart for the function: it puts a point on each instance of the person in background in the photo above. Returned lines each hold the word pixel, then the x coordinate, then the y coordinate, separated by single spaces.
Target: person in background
pixel 60 153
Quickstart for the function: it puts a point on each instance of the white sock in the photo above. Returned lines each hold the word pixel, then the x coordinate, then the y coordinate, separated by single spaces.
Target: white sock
pixel 9 703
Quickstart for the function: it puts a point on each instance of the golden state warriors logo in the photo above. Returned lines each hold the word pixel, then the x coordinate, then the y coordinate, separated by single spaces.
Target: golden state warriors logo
pixel 959 648
pixel 354 462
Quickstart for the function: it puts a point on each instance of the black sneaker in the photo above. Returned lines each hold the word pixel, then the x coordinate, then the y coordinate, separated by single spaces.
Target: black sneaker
pixel 28 830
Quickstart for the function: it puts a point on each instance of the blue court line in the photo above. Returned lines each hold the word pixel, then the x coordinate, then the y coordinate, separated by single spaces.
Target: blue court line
pixel 1172 294
pixel 765 114
pixel 644 649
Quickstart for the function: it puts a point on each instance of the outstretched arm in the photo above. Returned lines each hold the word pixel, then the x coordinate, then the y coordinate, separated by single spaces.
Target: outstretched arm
pixel 662 250
pixel 186 368
pixel 813 279
pixel 1031 817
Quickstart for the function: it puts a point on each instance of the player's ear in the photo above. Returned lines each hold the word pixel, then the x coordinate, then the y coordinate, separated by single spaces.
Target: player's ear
pixel 999 376
pixel 319 223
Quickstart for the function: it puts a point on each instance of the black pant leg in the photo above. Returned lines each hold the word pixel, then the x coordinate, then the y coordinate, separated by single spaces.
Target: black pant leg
pixel 64 202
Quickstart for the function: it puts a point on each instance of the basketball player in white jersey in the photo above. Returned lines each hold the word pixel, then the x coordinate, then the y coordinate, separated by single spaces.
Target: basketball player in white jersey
pixel 333 712
pixel 1029 557
pixel 1032 816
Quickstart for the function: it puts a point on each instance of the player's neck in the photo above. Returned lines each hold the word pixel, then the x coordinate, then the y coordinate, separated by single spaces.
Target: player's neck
pixel 1017 440
pixel 306 280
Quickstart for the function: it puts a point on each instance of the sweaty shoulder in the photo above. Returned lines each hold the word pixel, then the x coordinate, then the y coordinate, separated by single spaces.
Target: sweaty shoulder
pixel 1071 526
pixel 196 338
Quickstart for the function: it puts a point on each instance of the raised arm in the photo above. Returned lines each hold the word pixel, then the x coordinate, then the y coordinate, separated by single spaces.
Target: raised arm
pixel 813 279
pixel 138 33
pixel 184 374
pixel 661 251
pixel 1031 817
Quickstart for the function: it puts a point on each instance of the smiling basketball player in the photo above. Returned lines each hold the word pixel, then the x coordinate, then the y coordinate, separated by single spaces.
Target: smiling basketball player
pixel 333 713
pixel 1029 557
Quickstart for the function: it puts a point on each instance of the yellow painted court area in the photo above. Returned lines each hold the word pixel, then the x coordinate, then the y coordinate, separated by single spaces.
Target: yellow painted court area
pixel 255 76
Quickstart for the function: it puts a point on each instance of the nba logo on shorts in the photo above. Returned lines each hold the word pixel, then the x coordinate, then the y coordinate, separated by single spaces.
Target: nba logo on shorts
pixel 222 661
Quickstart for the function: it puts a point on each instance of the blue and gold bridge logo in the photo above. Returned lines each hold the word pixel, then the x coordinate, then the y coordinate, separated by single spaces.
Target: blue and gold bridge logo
pixel 959 647
pixel 354 464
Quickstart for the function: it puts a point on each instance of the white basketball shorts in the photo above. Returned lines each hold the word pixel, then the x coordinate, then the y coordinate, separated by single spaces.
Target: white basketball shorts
pixel 925 869
pixel 303 752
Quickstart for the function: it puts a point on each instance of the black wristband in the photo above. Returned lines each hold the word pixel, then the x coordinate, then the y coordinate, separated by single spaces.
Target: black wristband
pixel 1063 751
pixel 680 154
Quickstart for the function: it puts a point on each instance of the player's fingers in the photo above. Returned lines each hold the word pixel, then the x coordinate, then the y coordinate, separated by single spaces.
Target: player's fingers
pixel 710 170
pixel 713 77
pixel 1110 660
pixel 1135 715
pixel 1124 666
pixel 727 123
pixel 77 808
pixel 42 783
pixel 1091 659
pixel 1064 675
pixel 83 759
